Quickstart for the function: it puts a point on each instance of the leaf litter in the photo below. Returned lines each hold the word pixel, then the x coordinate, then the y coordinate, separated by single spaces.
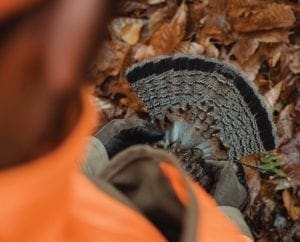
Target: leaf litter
pixel 262 38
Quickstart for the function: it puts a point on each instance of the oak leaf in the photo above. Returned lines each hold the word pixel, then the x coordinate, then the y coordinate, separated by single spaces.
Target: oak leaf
pixel 264 17
pixel 110 58
pixel 290 205
pixel 192 48
pixel 127 29
pixel 273 94
pixel 244 48
pixel 166 38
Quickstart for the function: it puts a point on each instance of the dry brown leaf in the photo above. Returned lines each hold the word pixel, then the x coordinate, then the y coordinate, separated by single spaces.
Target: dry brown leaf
pixel 159 17
pixel 273 54
pixel 224 54
pixel 254 185
pixel 285 125
pixel 215 24
pixel 289 87
pixel 127 29
pixel 132 8
pixel 110 59
pixel 195 14
pixel 192 48
pixel 289 143
pixel 241 4
pixel 131 33
pixel 143 52
pixel 273 94
pixel 111 110
pixel 271 36
pixel 244 48
pixel 166 38
pixel 170 34
pixel 295 64
pixel 262 83
pixel 128 97
pixel 263 17
pixel 251 66
pixel 290 205
pixel 297 110
pixel 211 50
pixel 153 2
pixel 252 176
pixel 291 154
pixel 293 234
pixel 283 72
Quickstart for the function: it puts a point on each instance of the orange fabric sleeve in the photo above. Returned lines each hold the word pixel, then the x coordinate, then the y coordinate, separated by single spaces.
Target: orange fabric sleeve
pixel 49 199
pixel 176 181
pixel 10 7
pixel 213 225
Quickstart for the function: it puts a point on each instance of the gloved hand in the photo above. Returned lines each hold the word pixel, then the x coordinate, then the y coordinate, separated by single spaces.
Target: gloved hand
pixel 119 134
pixel 228 189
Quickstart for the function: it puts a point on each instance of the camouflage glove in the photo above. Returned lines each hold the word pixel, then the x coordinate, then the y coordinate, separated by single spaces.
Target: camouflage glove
pixel 119 134
pixel 230 194
pixel 228 189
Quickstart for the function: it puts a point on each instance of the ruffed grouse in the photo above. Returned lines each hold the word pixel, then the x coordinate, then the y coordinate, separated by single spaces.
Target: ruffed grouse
pixel 206 107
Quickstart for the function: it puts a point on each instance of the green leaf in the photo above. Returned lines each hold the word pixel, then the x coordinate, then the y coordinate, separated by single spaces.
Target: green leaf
pixel 271 163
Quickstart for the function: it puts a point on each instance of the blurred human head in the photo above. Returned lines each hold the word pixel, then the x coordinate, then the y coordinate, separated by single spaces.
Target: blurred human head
pixel 45 47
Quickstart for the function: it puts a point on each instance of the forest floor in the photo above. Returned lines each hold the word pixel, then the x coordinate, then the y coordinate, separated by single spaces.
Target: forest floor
pixel 262 38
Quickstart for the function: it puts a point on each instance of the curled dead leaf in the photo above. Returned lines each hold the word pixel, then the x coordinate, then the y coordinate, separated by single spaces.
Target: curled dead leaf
pixel 192 48
pixel 127 97
pixel 263 17
pixel 143 52
pixel 264 84
pixel 251 66
pixel 285 125
pixel 289 88
pixel 290 205
pixel 284 62
pixel 215 24
pixel 273 94
pixel 273 54
pixel 244 48
pixel 195 14
pixel 127 29
pixel 132 8
pixel 272 36
pixel 291 154
pixel 131 33
pixel 169 35
pixel 289 143
pixel 295 64
pixel 160 16
pixel 110 59
pixel 210 49
pixel 153 2
pixel 250 163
